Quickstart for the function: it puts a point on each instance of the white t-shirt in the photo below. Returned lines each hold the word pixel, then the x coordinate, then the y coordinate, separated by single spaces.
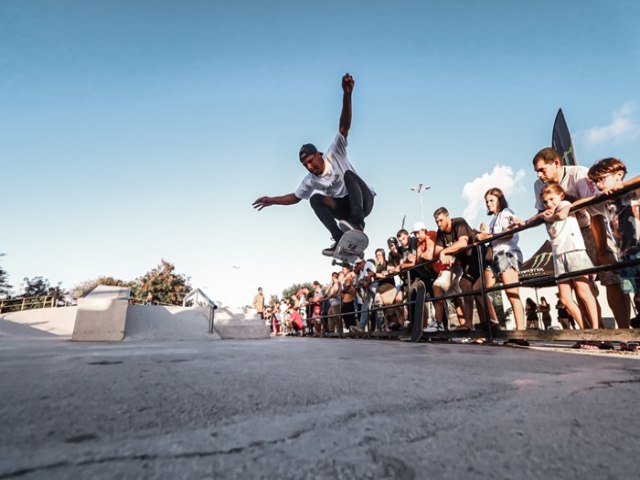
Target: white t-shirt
pixel 331 181
pixel 565 234
pixel 576 184
pixel 500 223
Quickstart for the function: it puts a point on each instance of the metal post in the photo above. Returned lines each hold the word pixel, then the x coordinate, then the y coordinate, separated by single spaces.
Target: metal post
pixel 483 289
pixel 421 187
pixel 212 312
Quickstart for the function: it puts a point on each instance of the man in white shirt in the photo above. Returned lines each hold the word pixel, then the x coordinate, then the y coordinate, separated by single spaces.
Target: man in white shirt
pixel 600 246
pixel 332 186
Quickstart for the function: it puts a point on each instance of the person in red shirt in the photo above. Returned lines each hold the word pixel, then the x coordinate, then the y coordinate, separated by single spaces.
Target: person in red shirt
pixel 296 322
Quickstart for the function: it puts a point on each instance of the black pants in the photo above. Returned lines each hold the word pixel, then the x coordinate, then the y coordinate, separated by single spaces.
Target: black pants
pixel 349 314
pixel 355 206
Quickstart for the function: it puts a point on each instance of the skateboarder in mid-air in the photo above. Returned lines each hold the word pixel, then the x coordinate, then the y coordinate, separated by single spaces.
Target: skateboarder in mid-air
pixel 332 186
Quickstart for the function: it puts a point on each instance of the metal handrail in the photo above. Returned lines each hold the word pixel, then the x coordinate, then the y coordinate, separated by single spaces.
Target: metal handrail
pixel 522 283
pixel 19 304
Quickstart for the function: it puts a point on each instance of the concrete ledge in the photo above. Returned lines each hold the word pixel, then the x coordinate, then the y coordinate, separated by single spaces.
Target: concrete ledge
pixel 241 329
pixel 159 322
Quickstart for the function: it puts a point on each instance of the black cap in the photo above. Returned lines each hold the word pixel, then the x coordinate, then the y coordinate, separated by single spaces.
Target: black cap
pixel 306 150
pixel 393 240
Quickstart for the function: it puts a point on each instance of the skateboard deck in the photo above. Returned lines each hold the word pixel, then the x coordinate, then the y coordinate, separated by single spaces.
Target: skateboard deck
pixel 351 247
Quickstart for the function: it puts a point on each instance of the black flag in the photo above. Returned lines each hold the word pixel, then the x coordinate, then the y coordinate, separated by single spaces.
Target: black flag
pixel 561 140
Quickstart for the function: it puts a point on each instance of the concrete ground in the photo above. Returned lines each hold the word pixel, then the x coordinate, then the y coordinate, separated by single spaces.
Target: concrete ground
pixel 310 408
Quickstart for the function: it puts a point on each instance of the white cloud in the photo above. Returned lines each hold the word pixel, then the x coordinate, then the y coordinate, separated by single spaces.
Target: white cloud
pixel 502 177
pixel 622 125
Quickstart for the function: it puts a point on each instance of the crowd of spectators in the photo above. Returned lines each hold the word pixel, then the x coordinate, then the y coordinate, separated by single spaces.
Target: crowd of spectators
pixel 372 295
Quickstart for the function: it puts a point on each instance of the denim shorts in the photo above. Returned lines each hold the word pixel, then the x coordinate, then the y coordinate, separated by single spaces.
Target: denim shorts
pixel 630 276
pixel 571 262
pixel 503 261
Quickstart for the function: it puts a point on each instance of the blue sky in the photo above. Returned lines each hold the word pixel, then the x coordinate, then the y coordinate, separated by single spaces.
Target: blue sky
pixel 132 131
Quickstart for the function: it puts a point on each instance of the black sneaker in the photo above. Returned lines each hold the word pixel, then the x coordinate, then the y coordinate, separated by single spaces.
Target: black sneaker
pixel 346 225
pixel 328 252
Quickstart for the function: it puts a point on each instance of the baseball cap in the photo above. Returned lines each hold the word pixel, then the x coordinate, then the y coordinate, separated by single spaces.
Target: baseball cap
pixel 393 240
pixel 306 150
pixel 418 226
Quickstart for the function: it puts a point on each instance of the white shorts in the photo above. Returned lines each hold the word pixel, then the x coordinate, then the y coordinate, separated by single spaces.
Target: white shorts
pixel 448 280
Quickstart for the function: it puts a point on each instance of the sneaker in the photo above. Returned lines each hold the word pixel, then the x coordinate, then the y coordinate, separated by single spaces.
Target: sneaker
pixel 433 327
pixel 346 225
pixel 355 329
pixel 328 252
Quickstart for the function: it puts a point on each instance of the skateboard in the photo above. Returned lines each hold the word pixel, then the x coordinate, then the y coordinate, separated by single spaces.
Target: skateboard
pixel 351 247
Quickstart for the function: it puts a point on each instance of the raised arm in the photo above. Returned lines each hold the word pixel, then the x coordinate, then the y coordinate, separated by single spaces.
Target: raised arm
pixel 262 202
pixel 345 117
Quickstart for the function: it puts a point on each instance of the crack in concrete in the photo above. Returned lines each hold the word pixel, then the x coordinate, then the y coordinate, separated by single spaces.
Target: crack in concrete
pixel 604 385
pixel 144 456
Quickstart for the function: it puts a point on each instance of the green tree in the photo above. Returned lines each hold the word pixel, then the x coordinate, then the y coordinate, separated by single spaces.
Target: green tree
pixel 163 285
pixel 4 284
pixel 289 292
pixel 85 287
pixel 36 287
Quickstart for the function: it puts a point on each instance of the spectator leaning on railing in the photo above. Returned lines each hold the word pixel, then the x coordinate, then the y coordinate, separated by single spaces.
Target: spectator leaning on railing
pixel 569 253
pixel 608 175
pixel 507 257
pixel 599 244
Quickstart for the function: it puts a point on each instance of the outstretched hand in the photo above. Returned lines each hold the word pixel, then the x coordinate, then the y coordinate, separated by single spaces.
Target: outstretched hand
pixel 548 215
pixel 262 202
pixel 612 189
pixel 516 222
pixel 347 83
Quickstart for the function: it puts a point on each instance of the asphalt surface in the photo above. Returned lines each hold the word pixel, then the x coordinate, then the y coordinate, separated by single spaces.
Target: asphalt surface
pixel 314 408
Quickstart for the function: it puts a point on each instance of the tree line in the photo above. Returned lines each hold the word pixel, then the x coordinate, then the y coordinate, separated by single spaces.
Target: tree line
pixel 161 284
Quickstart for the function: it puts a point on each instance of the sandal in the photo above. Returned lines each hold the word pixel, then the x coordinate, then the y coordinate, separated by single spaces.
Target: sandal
pixel 587 345
pixel 629 347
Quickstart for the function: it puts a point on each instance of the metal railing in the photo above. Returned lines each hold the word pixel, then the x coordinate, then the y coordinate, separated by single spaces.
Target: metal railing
pixel 28 303
pixel 416 292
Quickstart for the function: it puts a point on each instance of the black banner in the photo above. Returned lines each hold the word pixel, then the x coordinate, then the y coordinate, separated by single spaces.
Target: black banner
pixel 561 140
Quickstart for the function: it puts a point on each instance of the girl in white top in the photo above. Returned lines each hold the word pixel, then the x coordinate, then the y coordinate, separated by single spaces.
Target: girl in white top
pixel 569 253
pixel 507 256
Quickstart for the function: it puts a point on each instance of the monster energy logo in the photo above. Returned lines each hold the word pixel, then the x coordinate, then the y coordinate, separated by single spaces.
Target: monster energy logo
pixel 541 259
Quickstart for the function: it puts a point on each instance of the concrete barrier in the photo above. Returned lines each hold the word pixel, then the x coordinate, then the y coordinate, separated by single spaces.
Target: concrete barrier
pixel 101 315
pixel 159 322
pixel 230 325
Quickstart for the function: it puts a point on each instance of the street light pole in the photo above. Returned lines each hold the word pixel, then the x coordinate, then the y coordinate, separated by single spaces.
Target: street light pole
pixel 421 187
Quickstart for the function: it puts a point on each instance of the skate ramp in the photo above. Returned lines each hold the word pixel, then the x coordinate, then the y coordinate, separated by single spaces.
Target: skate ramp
pixel 159 322
pixel 39 323
pixel 102 315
